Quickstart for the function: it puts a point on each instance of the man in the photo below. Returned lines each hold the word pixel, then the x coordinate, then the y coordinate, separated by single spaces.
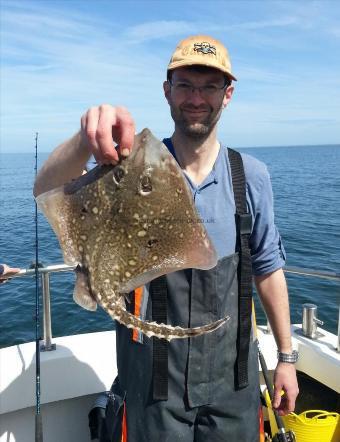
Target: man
pixel 206 394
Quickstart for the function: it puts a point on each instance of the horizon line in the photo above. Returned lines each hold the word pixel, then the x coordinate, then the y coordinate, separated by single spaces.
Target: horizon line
pixel 233 147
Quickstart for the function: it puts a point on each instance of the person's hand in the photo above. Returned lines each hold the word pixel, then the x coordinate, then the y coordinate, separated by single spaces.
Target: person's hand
pixel 102 127
pixel 285 379
pixel 6 272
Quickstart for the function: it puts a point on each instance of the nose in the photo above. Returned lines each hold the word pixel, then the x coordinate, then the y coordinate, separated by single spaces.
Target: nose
pixel 195 97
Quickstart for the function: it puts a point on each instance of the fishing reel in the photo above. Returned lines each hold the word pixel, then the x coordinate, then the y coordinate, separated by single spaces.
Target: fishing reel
pixel 287 436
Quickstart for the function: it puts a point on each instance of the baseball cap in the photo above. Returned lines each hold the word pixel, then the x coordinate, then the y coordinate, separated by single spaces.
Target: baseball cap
pixel 201 50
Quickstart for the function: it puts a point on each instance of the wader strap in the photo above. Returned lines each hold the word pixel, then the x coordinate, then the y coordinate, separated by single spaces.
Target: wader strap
pixel 158 291
pixel 243 229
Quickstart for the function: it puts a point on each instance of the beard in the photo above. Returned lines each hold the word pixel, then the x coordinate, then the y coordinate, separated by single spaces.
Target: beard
pixel 196 130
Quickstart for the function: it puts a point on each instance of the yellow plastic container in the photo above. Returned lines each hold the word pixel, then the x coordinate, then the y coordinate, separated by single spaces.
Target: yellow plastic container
pixel 309 426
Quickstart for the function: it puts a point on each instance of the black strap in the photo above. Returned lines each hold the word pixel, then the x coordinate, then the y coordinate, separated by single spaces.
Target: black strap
pixel 158 292
pixel 243 221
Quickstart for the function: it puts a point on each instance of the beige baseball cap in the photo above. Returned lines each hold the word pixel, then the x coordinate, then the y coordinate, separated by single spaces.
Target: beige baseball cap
pixel 201 50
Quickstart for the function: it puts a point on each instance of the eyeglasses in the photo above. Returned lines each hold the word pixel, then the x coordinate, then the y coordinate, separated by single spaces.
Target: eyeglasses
pixel 184 88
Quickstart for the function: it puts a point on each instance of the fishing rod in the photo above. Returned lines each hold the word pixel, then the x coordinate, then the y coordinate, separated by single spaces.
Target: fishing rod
pixel 38 418
pixel 282 435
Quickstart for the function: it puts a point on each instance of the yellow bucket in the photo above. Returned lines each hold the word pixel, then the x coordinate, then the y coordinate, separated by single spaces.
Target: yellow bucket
pixel 309 426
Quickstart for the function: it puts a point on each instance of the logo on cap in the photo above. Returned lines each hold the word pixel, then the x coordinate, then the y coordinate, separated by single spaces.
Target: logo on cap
pixel 205 48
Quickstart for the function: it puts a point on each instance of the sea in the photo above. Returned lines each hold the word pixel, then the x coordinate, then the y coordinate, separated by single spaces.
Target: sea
pixel 306 189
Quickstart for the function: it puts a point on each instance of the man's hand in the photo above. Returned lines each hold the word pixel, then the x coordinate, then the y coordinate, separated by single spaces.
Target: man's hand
pixel 101 128
pixel 6 272
pixel 103 125
pixel 285 379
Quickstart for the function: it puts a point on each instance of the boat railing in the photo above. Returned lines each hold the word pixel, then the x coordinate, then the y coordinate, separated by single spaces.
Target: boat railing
pixel 44 272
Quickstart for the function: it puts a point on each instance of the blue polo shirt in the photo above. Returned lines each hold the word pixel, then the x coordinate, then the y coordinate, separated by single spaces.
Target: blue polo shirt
pixel 214 201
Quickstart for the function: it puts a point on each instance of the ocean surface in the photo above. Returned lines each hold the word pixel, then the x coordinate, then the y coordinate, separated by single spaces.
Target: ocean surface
pixel 306 188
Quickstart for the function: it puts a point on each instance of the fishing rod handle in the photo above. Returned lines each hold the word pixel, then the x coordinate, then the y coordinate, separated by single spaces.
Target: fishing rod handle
pixel 278 418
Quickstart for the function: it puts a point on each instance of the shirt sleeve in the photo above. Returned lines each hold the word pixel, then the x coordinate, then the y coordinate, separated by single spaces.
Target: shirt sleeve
pixel 267 251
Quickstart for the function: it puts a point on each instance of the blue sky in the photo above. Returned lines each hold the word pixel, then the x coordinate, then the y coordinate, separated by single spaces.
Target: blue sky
pixel 60 57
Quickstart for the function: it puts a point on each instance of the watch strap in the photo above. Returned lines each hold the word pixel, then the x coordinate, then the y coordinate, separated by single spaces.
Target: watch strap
pixel 291 358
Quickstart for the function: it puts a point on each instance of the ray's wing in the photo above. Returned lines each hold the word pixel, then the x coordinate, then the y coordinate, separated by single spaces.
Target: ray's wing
pixel 57 208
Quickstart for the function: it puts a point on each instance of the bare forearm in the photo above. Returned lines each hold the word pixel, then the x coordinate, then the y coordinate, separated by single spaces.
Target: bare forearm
pixel 66 162
pixel 273 292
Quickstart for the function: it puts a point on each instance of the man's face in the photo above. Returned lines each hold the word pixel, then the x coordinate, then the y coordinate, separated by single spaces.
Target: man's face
pixel 196 111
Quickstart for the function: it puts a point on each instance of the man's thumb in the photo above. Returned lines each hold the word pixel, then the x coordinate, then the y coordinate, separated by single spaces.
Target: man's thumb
pixel 277 397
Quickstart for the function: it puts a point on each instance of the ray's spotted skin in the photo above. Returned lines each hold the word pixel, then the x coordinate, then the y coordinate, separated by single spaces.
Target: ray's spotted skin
pixel 127 224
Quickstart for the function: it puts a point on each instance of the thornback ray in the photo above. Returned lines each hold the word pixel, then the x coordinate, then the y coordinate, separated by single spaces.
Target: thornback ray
pixel 126 225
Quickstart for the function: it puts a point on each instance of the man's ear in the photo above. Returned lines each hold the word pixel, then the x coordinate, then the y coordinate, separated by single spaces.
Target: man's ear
pixel 167 90
pixel 227 96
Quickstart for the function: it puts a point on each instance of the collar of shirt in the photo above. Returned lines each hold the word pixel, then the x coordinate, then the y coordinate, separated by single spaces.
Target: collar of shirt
pixel 209 180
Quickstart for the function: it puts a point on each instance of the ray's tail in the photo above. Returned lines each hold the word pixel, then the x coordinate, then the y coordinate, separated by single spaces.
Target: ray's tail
pixel 162 331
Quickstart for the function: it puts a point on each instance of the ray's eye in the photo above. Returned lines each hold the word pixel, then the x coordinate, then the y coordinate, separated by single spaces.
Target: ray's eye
pixel 145 185
pixel 152 243
pixel 118 174
pixel 84 210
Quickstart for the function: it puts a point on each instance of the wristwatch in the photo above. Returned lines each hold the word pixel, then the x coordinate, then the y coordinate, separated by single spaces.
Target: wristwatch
pixel 291 358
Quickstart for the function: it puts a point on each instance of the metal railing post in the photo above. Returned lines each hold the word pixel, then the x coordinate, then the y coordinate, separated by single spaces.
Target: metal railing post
pixel 269 328
pixel 47 344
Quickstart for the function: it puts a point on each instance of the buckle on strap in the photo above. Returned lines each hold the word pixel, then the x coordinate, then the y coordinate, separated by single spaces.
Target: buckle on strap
pixel 244 223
